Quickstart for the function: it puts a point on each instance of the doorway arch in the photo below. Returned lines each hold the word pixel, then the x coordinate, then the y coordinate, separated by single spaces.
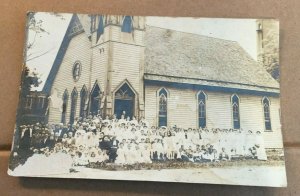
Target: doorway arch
pixel 124 101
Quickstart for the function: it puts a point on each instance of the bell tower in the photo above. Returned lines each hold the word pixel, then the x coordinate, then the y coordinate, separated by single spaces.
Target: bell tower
pixel 120 39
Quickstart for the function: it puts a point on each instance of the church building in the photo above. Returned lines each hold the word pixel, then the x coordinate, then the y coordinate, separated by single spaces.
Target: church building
pixel 110 64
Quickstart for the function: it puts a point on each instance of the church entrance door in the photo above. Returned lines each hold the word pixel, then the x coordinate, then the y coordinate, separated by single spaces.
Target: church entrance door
pixel 124 101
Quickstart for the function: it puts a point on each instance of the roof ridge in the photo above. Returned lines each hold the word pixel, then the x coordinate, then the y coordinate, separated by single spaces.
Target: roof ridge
pixel 191 33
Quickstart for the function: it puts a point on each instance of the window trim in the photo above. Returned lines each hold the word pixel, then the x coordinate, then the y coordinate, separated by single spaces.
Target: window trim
pixel 73 70
pixel 131 23
pixel 158 100
pixel 205 104
pixel 239 110
pixel 29 99
pixel 74 99
pixel 65 98
pixel 93 23
pixel 86 97
pixel 99 27
pixel 263 114
pixel 90 97
pixel 41 99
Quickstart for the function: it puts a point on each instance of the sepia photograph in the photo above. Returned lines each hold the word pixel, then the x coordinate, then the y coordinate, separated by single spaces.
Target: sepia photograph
pixel 146 98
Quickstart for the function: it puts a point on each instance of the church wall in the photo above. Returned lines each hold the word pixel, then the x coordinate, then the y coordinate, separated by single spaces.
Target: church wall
pixel 183 111
pixel 135 38
pixel 218 110
pixel 78 50
pixel 123 50
pixel 181 106
pixel 126 65
pixel 126 58
pixel 251 113
pixel 99 65
pixel 274 138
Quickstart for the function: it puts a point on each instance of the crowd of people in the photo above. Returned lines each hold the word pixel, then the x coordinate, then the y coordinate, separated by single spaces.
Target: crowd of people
pixel 129 141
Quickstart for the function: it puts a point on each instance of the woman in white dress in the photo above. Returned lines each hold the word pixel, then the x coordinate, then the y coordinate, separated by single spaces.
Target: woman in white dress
pixel 250 141
pixel 169 144
pixel 93 158
pixel 260 147
pixel 121 155
pixel 130 155
pixel 145 153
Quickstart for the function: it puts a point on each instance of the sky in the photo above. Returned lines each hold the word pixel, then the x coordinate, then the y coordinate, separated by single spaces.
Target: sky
pixel 46 45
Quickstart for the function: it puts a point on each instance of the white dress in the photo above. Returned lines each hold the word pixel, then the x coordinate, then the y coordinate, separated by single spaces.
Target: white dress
pixel 261 151
pixel 145 156
pixel 121 156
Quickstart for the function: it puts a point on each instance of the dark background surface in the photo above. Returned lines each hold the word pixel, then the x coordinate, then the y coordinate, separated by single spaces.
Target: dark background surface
pixel 12 20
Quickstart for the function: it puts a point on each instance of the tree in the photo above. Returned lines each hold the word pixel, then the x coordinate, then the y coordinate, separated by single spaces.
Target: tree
pixel 270 48
pixel 35 29
pixel 30 78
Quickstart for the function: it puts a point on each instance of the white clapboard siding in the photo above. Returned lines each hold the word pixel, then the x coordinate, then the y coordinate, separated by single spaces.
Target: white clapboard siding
pixel 251 113
pixel 135 38
pixel 274 137
pixel 103 38
pixel 64 78
pixel 218 110
pixel 113 33
pixel 151 104
pixel 182 109
pixel 126 65
pixel 124 52
pixel 183 112
pixel 99 65
pixel 182 101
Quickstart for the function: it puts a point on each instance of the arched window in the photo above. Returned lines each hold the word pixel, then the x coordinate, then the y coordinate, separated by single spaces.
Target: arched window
pixel 235 111
pixel 127 24
pixel 202 109
pixel 96 97
pixel 266 105
pixel 83 100
pixel 100 29
pixel 163 108
pixel 93 23
pixel 74 96
pixel 64 106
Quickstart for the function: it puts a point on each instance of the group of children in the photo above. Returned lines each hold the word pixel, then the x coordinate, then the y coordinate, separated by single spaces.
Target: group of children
pixel 129 141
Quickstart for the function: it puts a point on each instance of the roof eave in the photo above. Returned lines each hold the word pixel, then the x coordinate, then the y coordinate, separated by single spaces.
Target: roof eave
pixel 198 84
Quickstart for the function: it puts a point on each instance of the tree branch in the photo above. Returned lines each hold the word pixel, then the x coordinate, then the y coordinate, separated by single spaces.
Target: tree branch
pixel 39 55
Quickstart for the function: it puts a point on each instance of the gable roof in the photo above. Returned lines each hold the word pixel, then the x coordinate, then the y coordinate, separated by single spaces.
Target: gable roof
pixel 59 56
pixel 177 56
pixel 85 21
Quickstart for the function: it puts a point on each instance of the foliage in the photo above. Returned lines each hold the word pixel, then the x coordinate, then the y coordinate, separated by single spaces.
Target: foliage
pixel 35 27
pixel 270 54
pixel 175 164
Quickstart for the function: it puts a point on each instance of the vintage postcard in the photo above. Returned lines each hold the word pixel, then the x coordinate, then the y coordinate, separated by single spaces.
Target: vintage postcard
pixel 192 100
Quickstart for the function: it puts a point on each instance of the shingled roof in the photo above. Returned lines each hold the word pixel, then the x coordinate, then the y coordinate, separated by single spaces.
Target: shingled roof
pixel 173 56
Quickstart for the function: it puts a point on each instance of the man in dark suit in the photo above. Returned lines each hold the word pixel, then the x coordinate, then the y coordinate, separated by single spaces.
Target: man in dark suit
pixel 114 144
pixel 45 142
pixel 25 140
pixel 57 138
